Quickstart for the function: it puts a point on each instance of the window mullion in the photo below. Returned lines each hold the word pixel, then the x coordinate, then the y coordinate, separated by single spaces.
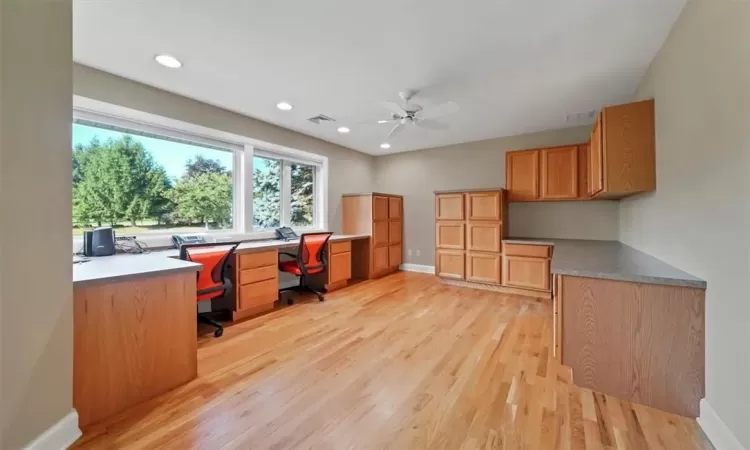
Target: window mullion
pixel 246 187
pixel 286 193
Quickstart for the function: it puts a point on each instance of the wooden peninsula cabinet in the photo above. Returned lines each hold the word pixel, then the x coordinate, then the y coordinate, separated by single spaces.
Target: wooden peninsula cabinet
pixel 381 216
pixel 469 228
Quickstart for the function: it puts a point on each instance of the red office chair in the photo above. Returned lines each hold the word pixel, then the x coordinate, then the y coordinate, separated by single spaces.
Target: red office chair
pixel 212 278
pixel 311 258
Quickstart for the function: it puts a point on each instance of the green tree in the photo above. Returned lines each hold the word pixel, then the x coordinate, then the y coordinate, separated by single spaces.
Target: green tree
pixel 201 165
pixel 302 195
pixel 117 180
pixel 206 197
pixel 266 192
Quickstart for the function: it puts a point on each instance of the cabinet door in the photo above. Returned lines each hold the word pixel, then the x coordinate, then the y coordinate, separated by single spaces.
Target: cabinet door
pixel 394 231
pixel 483 237
pixel 380 259
pixel 583 172
pixel 394 255
pixel 559 174
pixel 483 267
pixel 379 208
pixel 483 206
pixel 522 175
pixel 394 208
pixel 449 207
pixel 449 235
pixel 525 272
pixel 380 233
pixel 596 159
pixel 339 267
pixel 449 264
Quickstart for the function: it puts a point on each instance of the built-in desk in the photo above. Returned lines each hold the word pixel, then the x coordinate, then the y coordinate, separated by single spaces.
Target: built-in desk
pixel 135 318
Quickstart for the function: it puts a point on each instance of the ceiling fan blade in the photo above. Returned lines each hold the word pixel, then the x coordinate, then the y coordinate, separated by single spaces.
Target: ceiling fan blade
pixel 432 124
pixel 439 110
pixel 399 126
pixel 395 107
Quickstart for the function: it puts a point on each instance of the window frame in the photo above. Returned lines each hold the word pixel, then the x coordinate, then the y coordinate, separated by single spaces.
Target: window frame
pixel 243 148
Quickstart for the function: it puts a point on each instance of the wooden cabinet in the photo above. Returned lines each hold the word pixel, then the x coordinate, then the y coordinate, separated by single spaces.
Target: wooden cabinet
pixel 468 245
pixel 394 208
pixel 557 299
pixel 450 235
pixel 484 236
pixel 522 175
pixel 559 173
pixel 622 151
pixel 339 267
pixel 256 276
pixel 484 206
pixel 381 216
pixel 525 272
pixel 583 172
pixel 449 206
pixel 449 264
pixel 483 267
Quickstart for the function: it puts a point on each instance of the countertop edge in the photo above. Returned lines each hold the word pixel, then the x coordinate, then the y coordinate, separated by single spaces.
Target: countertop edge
pixel 192 267
pixel 677 282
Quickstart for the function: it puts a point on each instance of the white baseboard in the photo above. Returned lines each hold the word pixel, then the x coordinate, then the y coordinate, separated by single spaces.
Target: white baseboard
pixel 59 436
pixel 417 268
pixel 717 431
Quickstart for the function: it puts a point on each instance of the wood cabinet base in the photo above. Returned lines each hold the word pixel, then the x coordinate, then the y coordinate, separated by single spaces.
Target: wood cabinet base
pixel 641 342
pixel 133 340
pixel 497 288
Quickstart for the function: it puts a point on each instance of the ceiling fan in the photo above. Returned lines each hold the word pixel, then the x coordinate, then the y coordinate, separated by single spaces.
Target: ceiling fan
pixel 408 113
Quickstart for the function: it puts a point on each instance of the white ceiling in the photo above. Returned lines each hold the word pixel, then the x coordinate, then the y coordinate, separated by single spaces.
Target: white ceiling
pixel 512 66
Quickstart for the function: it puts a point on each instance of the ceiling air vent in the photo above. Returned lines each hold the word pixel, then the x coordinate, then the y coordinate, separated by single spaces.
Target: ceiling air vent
pixel 320 118
pixel 581 117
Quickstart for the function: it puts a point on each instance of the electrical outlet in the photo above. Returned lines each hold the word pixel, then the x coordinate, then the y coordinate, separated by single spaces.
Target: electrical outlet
pixel 417 252
pixel 408 252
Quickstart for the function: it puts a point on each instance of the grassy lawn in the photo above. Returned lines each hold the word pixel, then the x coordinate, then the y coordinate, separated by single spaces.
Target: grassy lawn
pixel 147 227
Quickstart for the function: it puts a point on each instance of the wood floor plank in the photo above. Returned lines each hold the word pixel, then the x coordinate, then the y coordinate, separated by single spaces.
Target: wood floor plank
pixel 403 362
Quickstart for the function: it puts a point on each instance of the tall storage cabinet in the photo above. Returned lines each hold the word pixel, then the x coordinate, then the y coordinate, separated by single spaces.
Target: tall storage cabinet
pixel 380 216
pixel 469 229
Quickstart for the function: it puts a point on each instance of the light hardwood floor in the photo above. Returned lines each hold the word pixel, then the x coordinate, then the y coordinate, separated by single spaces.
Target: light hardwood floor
pixel 403 362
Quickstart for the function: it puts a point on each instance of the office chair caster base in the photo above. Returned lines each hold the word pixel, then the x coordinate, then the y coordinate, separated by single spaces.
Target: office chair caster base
pixel 320 298
pixel 290 301
pixel 219 332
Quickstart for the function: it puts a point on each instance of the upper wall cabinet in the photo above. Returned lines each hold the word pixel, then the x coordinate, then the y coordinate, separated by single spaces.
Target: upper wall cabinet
pixel 522 175
pixel 547 174
pixel 622 151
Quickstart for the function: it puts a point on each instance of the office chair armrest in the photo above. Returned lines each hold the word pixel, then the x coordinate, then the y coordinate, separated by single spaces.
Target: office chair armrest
pixel 287 254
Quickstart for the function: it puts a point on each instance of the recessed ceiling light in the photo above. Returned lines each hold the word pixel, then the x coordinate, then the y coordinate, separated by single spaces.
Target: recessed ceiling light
pixel 382 121
pixel 168 61
pixel 343 130
pixel 284 106
pixel 385 145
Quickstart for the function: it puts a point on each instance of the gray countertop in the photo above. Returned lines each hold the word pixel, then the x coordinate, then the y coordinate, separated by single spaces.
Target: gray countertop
pixel 611 260
pixel 124 267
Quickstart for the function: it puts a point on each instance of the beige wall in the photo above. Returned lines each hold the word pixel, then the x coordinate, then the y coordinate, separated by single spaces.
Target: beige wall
pixel 416 175
pixel 697 219
pixel 36 290
pixel 349 170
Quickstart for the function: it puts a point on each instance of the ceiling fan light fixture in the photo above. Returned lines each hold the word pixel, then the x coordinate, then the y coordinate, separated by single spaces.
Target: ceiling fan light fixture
pixel 385 145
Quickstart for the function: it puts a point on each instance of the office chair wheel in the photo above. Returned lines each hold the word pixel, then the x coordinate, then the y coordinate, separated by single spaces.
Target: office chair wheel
pixel 320 298
pixel 219 332
pixel 290 301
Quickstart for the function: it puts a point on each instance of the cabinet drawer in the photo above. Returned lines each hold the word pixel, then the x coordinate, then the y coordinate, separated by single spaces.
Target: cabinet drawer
pixel 527 273
pixel 532 251
pixel 261 259
pixel 248 276
pixel 341 247
pixel 257 294
pixel 340 267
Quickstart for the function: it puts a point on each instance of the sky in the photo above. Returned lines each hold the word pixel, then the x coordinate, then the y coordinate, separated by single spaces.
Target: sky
pixel 171 155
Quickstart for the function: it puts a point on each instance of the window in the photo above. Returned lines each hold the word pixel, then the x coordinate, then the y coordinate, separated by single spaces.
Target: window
pixel 141 183
pixel 284 193
pixel 152 176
